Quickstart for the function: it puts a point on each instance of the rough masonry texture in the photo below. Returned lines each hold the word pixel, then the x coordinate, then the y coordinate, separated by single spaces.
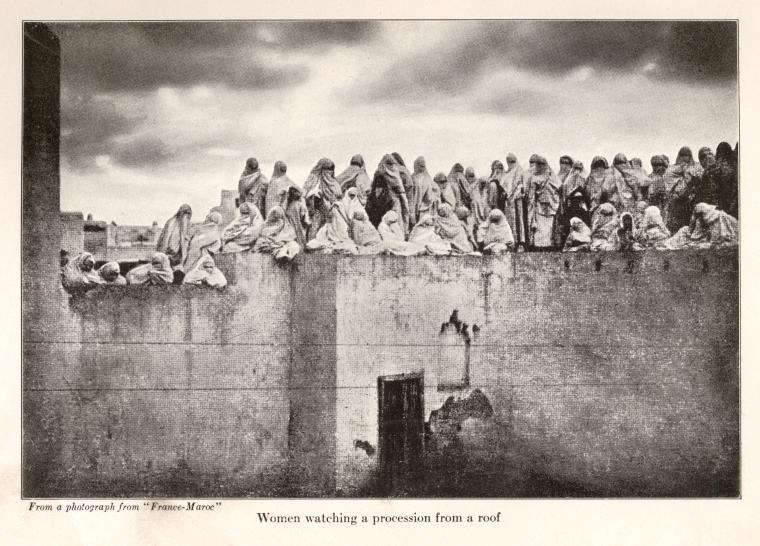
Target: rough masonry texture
pixel 622 381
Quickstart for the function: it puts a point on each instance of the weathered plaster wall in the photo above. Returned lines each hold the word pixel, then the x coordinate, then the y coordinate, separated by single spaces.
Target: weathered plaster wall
pixel 621 381
pixel 164 391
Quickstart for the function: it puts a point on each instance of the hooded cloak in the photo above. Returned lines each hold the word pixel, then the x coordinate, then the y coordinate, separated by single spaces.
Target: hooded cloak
pixel 157 272
pixel 175 237
pixel 243 231
pixel 205 273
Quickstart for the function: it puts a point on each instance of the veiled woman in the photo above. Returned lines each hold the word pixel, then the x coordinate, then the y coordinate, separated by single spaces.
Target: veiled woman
pixel 577 205
pixel 175 237
pixel 205 273
pixel 277 237
pixel 242 232
pixel 681 177
pixel 512 184
pixel 543 205
pixel 322 192
pixel 446 194
pixel 498 236
pixel 652 229
pixel 355 176
pixel 424 194
pixel 459 185
pixel 205 241
pixel 252 186
pixel 277 191
pixel 80 273
pixel 425 234
pixel 110 273
pixel 157 272
pixel 365 235
pixel 599 178
pixel 451 230
pixel 709 227
pixel 604 230
pixel 393 237
pixel 480 209
pixel 660 183
pixel 623 190
pixel 335 235
pixel 388 193
pixel 579 237
pixel 409 188
pixel 297 214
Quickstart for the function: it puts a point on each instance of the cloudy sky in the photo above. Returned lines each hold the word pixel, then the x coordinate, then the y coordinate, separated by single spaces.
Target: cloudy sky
pixel 157 114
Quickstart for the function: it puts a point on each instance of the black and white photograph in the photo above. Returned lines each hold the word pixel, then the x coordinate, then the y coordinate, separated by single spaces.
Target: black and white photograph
pixel 385 259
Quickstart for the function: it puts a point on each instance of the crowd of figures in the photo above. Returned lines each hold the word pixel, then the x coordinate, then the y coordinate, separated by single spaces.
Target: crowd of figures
pixel 407 212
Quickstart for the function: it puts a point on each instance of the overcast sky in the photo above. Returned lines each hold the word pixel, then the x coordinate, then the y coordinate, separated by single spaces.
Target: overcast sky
pixel 156 115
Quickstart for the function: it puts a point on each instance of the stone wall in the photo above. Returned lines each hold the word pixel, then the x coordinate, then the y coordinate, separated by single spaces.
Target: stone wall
pixel 609 374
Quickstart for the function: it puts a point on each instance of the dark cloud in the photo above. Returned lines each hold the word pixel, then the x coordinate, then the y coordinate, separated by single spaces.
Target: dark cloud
pixel 695 52
pixel 142 153
pixel 144 56
pixel 88 127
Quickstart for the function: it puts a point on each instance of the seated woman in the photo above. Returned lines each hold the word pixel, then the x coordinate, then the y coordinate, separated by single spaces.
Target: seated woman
pixel 205 241
pixel 157 272
pixel 626 234
pixel 579 237
pixel 205 273
pixel 366 237
pixel 334 236
pixel 498 237
pixel 297 214
pixel 652 229
pixel 393 237
pixel 242 233
pixel 709 228
pixel 604 232
pixel 277 237
pixel 450 229
pixel 424 234
pixel 79 273
pixel 111 274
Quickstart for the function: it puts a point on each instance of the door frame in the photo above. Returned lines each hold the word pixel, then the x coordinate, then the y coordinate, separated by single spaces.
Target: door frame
pixel 381 381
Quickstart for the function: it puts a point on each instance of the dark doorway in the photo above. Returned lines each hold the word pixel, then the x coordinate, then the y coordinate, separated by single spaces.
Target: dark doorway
pixel 401 430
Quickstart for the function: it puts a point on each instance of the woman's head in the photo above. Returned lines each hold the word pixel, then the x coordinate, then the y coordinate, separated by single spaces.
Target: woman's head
pixel 445 210
pixel 251 165
pixel 578 167
pixel 724 152
pixel 685 156
pixel 659 164
pixel 352 193
pixel 213 218
pixel 462 212
pixel 360 216
pixel 469 174
pixel 357 161
pixel 390 217
pixel 326 165
pixel 440 179
pixel 110 271
pixel 576 224
pixel 496 216
pixel 208 264
pixel 185 210
pixel 626 221
pixel 245 209
pixel 419 164
pixel 86 262
pixel 599 164
pixel 159 261
pixel 565 163
pixel 540 164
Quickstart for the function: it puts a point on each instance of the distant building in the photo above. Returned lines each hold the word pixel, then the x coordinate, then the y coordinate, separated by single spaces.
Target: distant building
pixel 72 232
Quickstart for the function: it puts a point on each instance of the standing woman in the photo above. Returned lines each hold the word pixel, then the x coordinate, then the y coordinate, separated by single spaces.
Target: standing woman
pixel 355 176
pixel 424 195
pixel 175 237
pixel 252 186
pixel 322 192
pixel 597 180
pixel 682 174
pixel 388 193
pixel 459 185
pixel 514 207
pixel 543 204
pixel 277 192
